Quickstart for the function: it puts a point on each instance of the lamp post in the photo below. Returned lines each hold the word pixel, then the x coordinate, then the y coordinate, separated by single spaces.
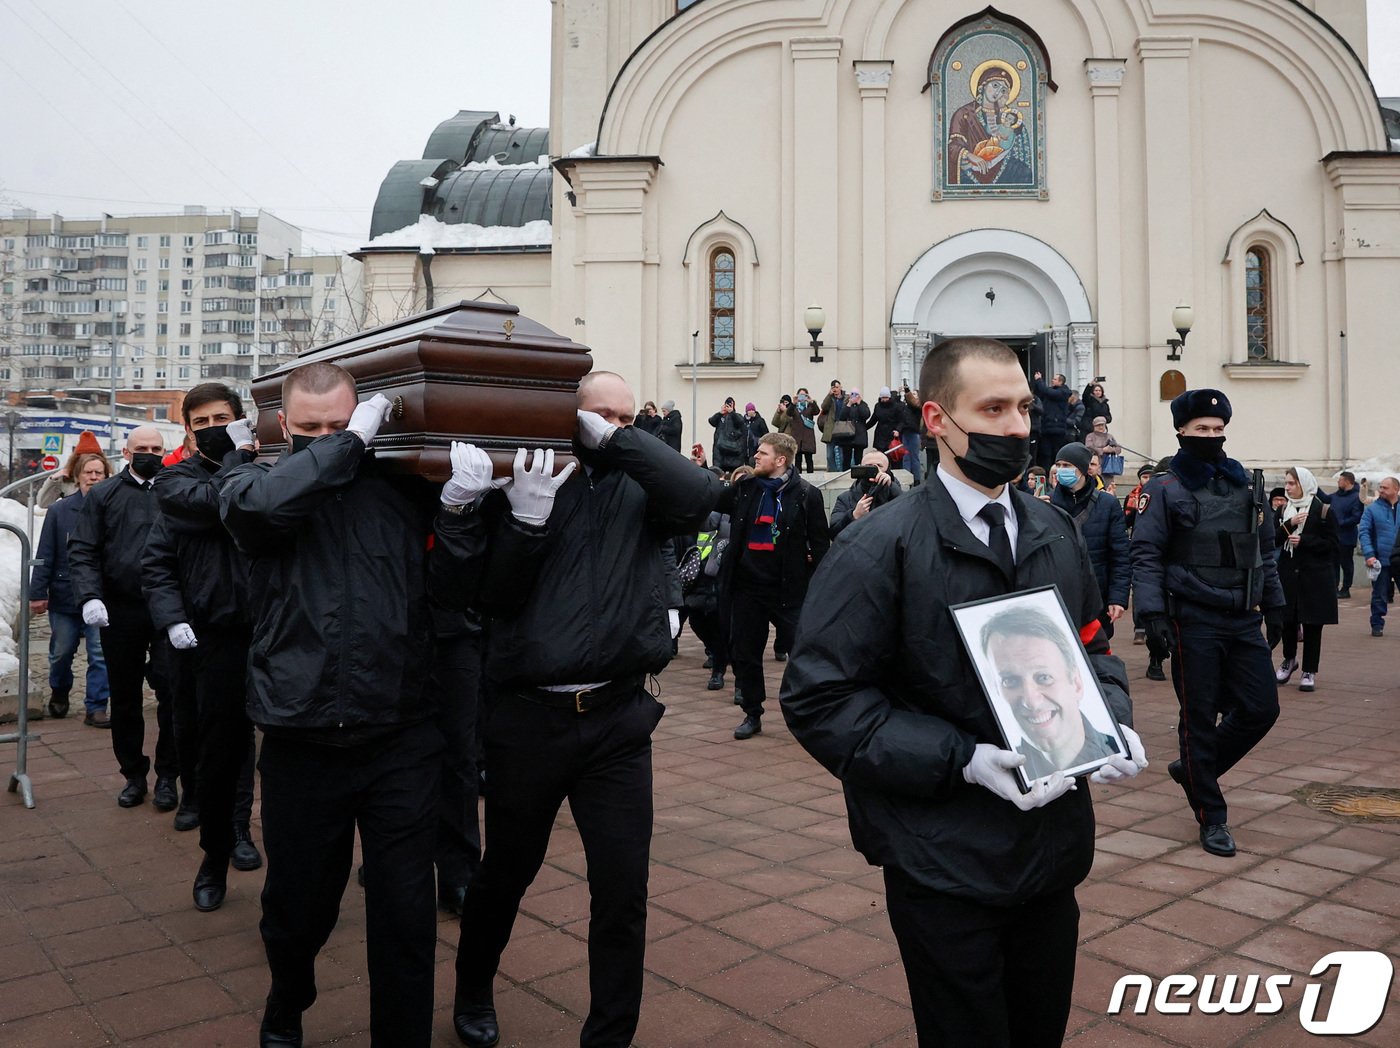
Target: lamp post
pixel 814 319
pixel 112 421
pixel 694 391
pixel 12 420
pixel 1182 318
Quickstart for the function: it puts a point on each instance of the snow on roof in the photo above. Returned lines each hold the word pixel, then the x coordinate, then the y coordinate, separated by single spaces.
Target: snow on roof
pixel 492 164
pixel 590 149
pixel 428 235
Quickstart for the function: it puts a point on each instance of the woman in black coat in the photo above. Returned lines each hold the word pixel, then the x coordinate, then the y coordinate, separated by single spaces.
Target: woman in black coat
pixel 1307 540
pixel 1095 405
pixel 858 411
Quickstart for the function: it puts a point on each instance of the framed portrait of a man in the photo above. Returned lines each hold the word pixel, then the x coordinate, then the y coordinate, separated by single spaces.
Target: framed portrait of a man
pixel 1037 677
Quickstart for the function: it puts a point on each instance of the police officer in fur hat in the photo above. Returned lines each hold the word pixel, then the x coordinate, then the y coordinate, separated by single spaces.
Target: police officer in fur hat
pixel 1204 577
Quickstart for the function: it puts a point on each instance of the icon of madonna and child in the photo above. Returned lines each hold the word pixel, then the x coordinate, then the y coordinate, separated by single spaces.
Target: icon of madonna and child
pixel 989 142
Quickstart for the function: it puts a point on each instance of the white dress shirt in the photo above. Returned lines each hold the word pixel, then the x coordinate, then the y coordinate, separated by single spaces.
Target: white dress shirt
pixel 970 502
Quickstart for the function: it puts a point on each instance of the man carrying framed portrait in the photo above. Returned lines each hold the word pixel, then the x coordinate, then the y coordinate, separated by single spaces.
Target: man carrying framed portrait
pixel 975 869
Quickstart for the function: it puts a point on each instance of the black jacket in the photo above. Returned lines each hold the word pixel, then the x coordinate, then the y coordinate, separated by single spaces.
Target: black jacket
pixel 1308 571
pixel 342 634
pixel 886 417
pixel 1054 404
pixel 801 522
pixel 860 415
pixel 191 571
pixel 731 438
pixel 1093 408
pixel 670 429
pixel 52 579
pixel 582 599
pixel 879 690
pixel 843 513
pixel 649 424
pixel 109 540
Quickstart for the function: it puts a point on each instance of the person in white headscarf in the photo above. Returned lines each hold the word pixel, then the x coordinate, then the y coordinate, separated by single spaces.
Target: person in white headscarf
pixel 1306 536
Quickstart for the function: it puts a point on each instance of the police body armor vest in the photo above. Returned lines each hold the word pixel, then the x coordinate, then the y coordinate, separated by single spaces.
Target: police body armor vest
pixel 1223 548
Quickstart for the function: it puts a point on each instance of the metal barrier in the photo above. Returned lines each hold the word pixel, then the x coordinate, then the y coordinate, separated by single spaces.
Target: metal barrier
pixel 19 779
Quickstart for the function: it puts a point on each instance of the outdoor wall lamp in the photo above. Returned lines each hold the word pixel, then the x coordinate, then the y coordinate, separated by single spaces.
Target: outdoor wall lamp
pixel 1182 316
pixel 814 319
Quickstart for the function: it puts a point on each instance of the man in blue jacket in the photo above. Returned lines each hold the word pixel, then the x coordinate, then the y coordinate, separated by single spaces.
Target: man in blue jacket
pixel 1377 534
pixel 1346 514
pixel 1099 520
pixel 979 877
pixel 1054 419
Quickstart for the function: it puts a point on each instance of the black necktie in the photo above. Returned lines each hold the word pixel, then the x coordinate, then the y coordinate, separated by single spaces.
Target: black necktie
pixel 997 539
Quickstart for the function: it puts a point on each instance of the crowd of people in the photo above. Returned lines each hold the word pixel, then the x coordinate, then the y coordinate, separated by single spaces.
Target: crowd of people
pixel 390 638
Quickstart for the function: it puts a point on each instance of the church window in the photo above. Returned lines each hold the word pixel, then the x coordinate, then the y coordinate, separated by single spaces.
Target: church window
pixel 721 303
pixel 1258 311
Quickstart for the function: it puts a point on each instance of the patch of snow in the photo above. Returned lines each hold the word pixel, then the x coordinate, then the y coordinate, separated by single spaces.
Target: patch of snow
pixel 492 164
pixel 1376 468
pixel 591 149
pixel 12 512
pixel 428 234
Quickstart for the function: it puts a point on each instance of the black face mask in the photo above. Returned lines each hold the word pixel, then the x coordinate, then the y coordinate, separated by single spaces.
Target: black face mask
pixel 992 459
pixel 145 465
pixel 213 442
pixel 300 441
pixel 1207 449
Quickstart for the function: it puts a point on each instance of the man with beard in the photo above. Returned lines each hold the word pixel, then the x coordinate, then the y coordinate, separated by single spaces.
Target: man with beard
pixel 879 694
pixel 105 552
pixel 337 681
pixel 1204 577
pixel 778 536
pixel 569 574
pixel 196 586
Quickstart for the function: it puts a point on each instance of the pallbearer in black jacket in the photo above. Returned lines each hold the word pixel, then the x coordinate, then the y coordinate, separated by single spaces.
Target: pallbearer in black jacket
pixel 979 878
pixel 337 675
pixel 104 553
pixel 568 575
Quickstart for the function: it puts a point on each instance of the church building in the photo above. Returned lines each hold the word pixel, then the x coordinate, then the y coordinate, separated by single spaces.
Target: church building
pixel 742 197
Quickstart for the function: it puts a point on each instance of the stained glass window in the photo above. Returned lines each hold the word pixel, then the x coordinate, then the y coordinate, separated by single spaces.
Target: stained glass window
pixel 722 292
pixel 1258 304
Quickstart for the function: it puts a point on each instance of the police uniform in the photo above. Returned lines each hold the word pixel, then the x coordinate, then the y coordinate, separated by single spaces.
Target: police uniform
pixel 1204 565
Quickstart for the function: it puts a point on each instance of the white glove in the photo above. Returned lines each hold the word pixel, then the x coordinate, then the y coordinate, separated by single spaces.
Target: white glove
pixel 991 767
pixel 594 430
pixel 369 416
pixel 471 475
pixel 1119 767
pixel 532 490
pixel 674 618
pixel 181 636
pixel 240 431
pixel 95 613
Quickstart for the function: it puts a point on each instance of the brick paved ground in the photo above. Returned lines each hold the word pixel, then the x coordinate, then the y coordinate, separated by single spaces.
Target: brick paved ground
pixel 766 928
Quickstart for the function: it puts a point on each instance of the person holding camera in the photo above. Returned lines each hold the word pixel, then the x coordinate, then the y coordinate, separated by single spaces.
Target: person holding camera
pixel 731 436
pixel 872 485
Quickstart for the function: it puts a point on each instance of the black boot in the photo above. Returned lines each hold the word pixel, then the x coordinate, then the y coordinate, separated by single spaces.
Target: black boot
pixel 58 704
pixel 716 681
pixel 165 797
pixel 476 1026
pixel 210 884
pixel 1154 670
pixel 281 1027
pixel 245 853
pixel 752 726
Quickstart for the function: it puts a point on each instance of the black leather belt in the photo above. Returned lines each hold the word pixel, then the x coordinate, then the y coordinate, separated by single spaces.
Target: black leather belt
pixel 581 701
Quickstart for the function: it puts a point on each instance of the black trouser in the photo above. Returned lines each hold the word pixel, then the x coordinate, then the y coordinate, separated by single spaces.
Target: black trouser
pixel 126 643
pixel 536 757
pixel 714 635
pixel 184 706
pixel 751 610
pixel 1312 644
pixel 225 733
pixel 990 976
pixel 1346 563
pixel 805 456
pixel 1221 668
pixel 456 681
pixel 313 798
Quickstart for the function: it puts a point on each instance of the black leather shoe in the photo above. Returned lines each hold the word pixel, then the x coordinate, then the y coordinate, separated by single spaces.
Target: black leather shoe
pixel 451 897
pixel 477 1027
pixel 1344 594
pixel 281 1028
pixel 210 885
pixel 738 696
pixel 752 726
pixel 1154 670
pixel 58 705
pixel 245 854
pixel 715 682
pixel 1216 839
pixel 780 656
pixel 709 662
pixel 165 797
pixel 133 793
pixel 187 819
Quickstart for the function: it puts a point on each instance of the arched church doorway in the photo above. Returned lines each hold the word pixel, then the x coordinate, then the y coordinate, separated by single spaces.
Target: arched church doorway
pixel 1001 284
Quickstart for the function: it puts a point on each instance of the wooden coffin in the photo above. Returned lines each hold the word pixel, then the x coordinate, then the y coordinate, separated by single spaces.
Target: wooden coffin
pixel 473 371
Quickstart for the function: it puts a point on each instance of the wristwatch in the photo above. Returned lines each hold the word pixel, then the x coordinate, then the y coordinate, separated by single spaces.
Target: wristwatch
pixel 456 511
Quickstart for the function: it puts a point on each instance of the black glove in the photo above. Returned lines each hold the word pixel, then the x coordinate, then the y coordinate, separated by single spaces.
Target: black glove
pixel 1159 636
pixel 1273 626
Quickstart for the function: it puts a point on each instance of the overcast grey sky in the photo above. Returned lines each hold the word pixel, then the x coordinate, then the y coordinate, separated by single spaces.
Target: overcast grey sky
pixel 298 107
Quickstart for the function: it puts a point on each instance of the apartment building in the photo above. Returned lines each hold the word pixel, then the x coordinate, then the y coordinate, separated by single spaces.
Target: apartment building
pixel 165 300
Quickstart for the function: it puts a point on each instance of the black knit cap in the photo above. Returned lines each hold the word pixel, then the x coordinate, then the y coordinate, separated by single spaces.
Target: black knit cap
pixel 1200 403
pixel 1077 455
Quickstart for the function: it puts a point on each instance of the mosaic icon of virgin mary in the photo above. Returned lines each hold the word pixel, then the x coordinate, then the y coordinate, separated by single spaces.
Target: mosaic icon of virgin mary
pixel 988 143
